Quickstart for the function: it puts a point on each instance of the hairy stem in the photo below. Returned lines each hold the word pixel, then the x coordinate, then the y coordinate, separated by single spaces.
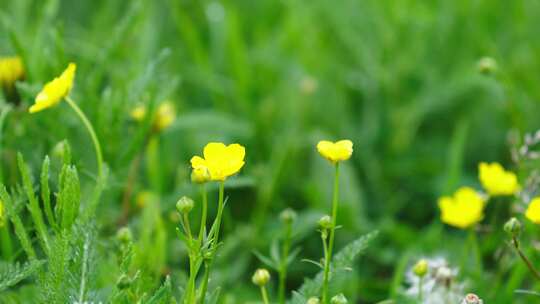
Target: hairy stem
pixel 93 136
pixel 527 262
pixel 328 256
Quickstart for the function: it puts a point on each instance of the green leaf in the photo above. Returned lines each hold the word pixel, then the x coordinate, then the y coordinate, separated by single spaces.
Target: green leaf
pixel 11 274
pixel 342 260
pixel 163 294
pixel 20 231
pixel 69 197
pixel 33 206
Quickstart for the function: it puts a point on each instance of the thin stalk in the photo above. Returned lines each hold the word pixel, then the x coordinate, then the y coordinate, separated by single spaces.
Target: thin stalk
pixel 283 265
pixel 204 212
pixel 215 240
pixel 7 244
pixel 328 259
pixel 93 136
pixel 190 298
pixel 204 285
pixel 527 262
pixel 420 287
pixel 264 295
pixel 475 248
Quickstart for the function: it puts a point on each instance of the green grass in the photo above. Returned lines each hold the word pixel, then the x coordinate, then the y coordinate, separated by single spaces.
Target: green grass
pixel 398 78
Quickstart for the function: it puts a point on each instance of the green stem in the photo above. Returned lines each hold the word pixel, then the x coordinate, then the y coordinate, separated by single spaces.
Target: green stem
pixel 204 285
pixel 204 213
pixel 328 258
pixel 264 295
pixel 284 260
pixel 215 240
pixel 7 244
pixel 475 248
pixel 93 136
pixel 523 257
pixel 420 287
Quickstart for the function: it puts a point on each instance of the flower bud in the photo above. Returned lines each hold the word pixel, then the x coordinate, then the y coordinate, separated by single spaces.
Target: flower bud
pixel 487 65
pixel 339 299
pixel 184 205
pixel 420 269
pixel 287 216
pixel 124 235
pixel 471 298
pixel 313 300
pixel 260 277
pixel 325 222
pixel 512 226
pixel 200 175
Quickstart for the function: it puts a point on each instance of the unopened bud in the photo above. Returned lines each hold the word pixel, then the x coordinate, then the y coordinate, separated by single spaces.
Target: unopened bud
pixel 325 222
pixel 471 298
pixel 339 299
pixel 184 205
pixel 288 216
pixel 487 65
pixel 124 235
pixel 420 269
pixel 200 175
pixel 313 300
pixel 512 226
pixel 260 277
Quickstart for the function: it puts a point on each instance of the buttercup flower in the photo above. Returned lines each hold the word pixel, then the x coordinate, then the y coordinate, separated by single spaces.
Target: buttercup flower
pixel 54 91
pixel 464 209
pixel 496 180
pixel 220 160
pixel 335 152
pixel 533 211
pixel 11 70
pixel 163 118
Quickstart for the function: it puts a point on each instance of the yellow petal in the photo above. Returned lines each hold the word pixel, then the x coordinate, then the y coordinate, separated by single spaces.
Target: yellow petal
pixel 335 152
pixel 54 91
pixel 533 210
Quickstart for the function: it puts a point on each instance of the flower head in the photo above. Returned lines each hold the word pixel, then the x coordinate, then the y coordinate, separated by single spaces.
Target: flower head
pixel 496 180
pixel 533 211
pixel 335 151
pixel 11 70
pixel 260 277
pixel 220 160
pixel 420 268
pixel 164 116
pixel 462 210
pixel 54 91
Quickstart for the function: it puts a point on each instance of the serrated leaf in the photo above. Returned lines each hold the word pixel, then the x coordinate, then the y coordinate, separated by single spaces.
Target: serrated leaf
pixel 11 274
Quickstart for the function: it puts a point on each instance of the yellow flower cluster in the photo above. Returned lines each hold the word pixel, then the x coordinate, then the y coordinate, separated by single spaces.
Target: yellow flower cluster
pixel 54 91
pixel 462 210
pixel 11 70
pixel 335 151
pixel 496 180
pixel 163 118
pixel 466 207
pixel 220 161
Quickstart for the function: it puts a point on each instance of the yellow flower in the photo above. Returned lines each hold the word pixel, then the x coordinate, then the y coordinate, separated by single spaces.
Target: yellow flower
pixel 165 115
pixel 462 210
pixel 163 118
pixel 54 91
pixel 496 180
pixel 533 211
pixel 221 161
pixel 138 113
pixel 11 70
pixel 335 152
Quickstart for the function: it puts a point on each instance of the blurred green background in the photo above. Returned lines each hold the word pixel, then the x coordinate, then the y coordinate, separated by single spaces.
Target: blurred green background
pixel 401 79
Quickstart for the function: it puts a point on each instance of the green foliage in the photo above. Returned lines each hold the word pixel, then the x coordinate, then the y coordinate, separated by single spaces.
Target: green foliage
pixel 13 273
pixel 342 261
